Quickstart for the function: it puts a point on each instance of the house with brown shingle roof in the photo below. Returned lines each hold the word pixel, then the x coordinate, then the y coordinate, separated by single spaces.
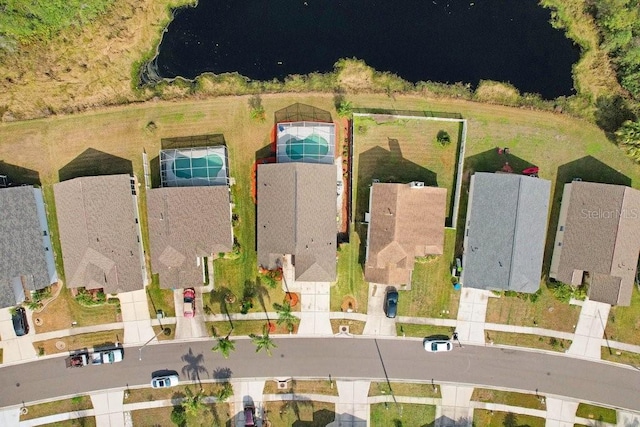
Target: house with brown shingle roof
pixel 598 240
pixel 297 216
pixel 187 224
pixel 405 221
pixel 99 232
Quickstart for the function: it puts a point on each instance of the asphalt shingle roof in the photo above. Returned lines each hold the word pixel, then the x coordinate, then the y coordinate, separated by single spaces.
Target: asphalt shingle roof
pixel 600 235
pixel 505 232
pixel 405 223
pixel 99 233
pixel 297 215
pixel 22 252
pixel 186 223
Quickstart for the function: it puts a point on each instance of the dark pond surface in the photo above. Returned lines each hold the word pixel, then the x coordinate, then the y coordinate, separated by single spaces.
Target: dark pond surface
pixel 437 40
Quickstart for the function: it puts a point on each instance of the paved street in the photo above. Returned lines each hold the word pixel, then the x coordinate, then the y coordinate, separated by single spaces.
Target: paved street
pixel 341 358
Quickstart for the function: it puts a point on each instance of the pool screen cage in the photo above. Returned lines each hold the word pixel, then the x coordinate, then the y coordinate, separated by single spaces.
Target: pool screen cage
pixel 306 142
pixel 196 166
pixel 302 112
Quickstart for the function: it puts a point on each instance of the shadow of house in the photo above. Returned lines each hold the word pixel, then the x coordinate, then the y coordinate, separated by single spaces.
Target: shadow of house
pixel 302 113
pixel 17 175
pixel 93 162
pixel 196 141
pixel 386 165
pixel 325 417
pixel 587 169
pixel 445 421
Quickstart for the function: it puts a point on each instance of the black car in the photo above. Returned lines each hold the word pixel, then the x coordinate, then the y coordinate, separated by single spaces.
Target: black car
pixel 391 303
pixel 20 324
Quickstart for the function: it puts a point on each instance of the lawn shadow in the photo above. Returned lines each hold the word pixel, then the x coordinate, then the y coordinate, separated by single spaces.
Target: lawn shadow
pixel 588 169
pixel 154 171
pixel 446 421
pixel 222 373
pixel 92 162
pixel 17 175
pixel 324 417
pixel 388 166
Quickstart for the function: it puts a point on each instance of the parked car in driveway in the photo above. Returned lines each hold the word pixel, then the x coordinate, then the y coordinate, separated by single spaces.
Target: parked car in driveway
pixel 437 346
pixel 391 303
pixel 189 298
pixel 164 381
pixel 19 320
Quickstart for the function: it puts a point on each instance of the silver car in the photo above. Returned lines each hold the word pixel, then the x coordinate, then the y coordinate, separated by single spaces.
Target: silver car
pixel 164 381
pixel 436 346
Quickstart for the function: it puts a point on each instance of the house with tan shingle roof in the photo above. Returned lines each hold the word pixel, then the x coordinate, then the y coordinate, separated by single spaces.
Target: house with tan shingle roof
pixel 187 224
pixel 598 240
pixel 99 233
pixel 405 221
pixel 297 216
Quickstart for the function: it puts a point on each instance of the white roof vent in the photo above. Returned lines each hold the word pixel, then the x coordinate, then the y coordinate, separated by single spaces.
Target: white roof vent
pixel 416 184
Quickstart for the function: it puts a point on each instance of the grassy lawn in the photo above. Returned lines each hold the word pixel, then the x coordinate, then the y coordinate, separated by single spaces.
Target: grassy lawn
pixel 160 299
pixel 432 278
pixel 597 413
pixel 77 403
pixel 414 330
pixel 547 312
pixel 78 422
pixel 521 400
pixel 299 412
pixel 527 340
pixel 624 322
pixel 302 387
pixel 355 326
pixel 625 357
pixel 218 414
pixel 64 309
pixel 402 415
pixel 350 284
pixel 163 337
pixel 149 394
pixel 245 327
pixel 482 417
pixel 405 389
pixel 80 341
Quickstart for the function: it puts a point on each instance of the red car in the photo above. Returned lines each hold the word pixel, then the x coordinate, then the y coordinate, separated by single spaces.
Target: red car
pixel 189 298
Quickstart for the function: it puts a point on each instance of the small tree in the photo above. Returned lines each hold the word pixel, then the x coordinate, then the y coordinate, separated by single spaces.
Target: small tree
pixel 224 345
pixel 225 392
pixel 256 109
pixel 443 138
pixel 192 402
pixel 285 316
pixel 178 416
pixel 345 108
pixel 263 342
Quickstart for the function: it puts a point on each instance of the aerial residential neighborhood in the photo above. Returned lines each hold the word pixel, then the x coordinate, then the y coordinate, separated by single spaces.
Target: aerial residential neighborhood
pixel 321 214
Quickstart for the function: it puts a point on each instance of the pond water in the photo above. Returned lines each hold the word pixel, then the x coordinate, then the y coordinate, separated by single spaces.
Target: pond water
pixel 438 40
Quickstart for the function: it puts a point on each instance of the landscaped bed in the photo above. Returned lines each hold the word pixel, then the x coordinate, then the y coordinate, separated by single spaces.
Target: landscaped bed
pixel 528 340
pixel 79 341
pixel 304 412
pixel 402 414
pixel 77 403
pixel 511 398
pixel 302 387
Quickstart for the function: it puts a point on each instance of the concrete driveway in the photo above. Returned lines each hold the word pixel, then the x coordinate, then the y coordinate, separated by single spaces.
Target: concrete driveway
pixel 377 322
pixel 193 327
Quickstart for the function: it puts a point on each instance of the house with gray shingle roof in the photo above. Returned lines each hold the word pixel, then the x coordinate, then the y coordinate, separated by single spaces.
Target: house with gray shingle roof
pixel 100 234
pixel 187 224
pixel 297 216
pixel 26 257
pixel 505 232
pixel 405 221
pixel 598 240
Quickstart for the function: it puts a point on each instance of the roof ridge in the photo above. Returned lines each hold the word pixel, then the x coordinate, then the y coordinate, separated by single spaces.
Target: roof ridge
pixel 515 234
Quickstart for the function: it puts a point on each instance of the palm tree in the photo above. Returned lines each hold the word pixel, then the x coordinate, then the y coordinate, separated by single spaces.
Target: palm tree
pixel 285 316
pixel 224 345
pixel 263 342
pixel 192 403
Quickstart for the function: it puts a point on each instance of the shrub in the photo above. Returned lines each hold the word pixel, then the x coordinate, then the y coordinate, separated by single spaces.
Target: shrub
pixel 443 138
pixel 178 416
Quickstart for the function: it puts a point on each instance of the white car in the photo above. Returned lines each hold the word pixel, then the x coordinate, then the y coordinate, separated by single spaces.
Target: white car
pixel 164 381
pixel 436 346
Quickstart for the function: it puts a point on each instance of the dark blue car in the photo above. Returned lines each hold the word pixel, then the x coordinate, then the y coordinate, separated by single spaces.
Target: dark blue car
pixel 20 324
pixel 391 303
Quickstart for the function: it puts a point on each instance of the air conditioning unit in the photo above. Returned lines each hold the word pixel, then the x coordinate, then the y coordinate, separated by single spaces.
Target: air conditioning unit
pixel 416 184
